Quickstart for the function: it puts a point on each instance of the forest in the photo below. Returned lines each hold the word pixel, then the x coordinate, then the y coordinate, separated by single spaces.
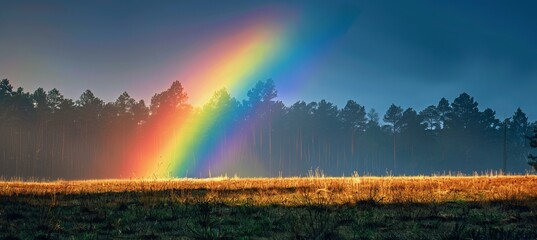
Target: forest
pixel 44 135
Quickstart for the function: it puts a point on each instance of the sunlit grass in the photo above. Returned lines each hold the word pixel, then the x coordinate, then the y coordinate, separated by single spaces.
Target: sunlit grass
pixel 315 207
pixel 293 191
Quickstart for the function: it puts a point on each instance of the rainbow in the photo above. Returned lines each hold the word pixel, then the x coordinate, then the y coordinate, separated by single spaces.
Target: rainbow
pixel 262 47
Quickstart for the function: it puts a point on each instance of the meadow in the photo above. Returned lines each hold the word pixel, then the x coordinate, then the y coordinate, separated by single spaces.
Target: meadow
pixel 316 207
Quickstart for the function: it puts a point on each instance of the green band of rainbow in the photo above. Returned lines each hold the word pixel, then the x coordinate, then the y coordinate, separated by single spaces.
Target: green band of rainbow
pixel 265 46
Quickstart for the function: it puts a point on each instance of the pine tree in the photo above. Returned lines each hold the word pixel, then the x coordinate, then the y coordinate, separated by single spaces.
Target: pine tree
pixel 532 159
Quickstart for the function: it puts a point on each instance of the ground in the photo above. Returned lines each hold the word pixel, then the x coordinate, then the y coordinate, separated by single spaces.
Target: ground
pixel 480 207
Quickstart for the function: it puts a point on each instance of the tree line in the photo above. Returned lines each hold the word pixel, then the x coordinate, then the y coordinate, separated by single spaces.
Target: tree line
pixel 45 135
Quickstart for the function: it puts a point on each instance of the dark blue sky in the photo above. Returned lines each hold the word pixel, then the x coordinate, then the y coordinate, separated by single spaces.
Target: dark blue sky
pixel 410 53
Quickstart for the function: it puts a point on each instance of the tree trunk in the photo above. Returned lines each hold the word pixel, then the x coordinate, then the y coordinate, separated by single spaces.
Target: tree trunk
pixel 394 153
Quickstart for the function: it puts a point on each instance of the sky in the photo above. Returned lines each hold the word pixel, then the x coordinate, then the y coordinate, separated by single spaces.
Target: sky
pixel 411 53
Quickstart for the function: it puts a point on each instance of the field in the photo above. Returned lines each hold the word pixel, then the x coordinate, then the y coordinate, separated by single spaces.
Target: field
pixel 448 207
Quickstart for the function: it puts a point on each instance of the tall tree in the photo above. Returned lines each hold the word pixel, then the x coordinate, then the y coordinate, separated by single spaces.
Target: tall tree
pixel 326 121
pixel 353 120
pixel 444 110
pixel 301 127
pixel 412 132
pixel 54 100
pixel 6 100
pixel 353 117
pixel 411 122
pixel 6 90
pixel 373 119
pixel 261 97
pixel 174 99
pixel 518 128
pixel 220 101
pixel 431 117
pixel 65 117
pixel 140 112
pixel 41 121
pixel 89 105
pixel 488 123
pixel 259 107
pixel 393 118
pixel 373 143
pixel 465 113
pixel 532 159
pixel 90 109
pixel 39 98
pixel 125 105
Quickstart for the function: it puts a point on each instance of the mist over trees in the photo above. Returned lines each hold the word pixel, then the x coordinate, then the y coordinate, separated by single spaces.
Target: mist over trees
pixel 45 135
pixel 533 143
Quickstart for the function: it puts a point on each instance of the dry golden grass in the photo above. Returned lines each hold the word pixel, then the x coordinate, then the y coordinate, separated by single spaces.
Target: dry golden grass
pixel 301 191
